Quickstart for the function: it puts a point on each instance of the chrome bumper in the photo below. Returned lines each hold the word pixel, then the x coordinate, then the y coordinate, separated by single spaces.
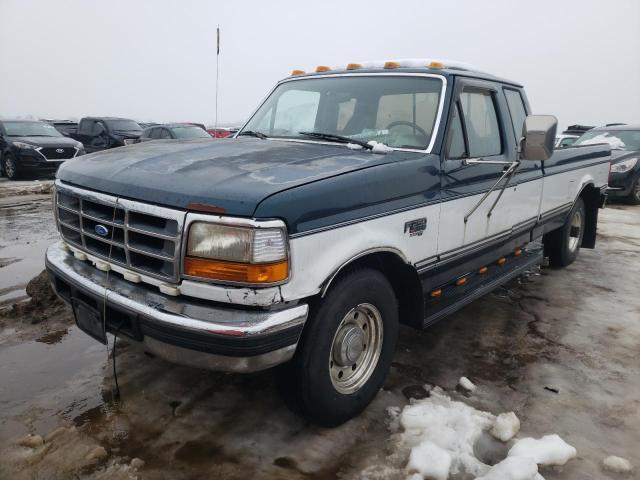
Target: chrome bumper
pixel 180 329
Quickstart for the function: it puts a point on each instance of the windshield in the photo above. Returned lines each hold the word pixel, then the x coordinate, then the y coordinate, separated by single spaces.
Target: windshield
pixel 124 125
pixel 399 111
pixel 30 129
pixel 189 132
pixel 618 139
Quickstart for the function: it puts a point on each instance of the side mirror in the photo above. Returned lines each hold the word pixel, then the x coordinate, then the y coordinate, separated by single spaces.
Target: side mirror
pixel 538 137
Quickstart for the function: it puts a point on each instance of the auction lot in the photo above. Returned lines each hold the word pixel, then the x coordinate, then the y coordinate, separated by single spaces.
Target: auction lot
pixel 558 347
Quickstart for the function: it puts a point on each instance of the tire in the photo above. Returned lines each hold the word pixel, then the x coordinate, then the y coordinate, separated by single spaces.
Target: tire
pixel 634 196
pixel 11 169
pixel 360 308
pixel 563 245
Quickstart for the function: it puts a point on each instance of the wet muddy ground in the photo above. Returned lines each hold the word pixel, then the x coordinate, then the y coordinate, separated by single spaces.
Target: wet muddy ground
pixel 558 347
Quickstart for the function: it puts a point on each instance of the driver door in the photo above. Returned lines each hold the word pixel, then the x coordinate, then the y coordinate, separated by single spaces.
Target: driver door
pixel 475 132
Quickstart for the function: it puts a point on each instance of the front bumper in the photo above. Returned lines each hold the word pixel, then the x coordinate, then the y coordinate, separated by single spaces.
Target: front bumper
pixel 181 330
pixel 621 184
pixel 30 160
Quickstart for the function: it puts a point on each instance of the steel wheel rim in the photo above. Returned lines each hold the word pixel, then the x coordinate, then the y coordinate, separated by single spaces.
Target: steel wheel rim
pixel 9 167
pixel 356 348
pixel 575 231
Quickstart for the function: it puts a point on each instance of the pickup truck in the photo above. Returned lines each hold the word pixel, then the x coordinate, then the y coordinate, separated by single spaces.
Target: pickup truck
pixel 353 200
pixel 101 133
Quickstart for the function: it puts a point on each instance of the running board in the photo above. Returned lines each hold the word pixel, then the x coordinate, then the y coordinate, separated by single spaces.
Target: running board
pixel 452 301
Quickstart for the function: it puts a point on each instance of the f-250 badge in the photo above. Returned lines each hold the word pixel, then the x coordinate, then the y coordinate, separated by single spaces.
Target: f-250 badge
pixel 415 227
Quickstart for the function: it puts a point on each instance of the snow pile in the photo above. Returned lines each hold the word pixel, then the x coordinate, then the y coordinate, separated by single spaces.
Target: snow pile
pixel 506 426
pixel 513 468
pixel 615 142
pixel 465 383
pixel 617 464
pixel 379 147
pixel 354 146
pixel 452 426
pixel 441 434
pixel 548 450
pixel 430 461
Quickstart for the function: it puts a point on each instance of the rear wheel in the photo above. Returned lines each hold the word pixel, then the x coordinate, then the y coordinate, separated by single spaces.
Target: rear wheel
pixel 345 351
pixel 563 245
pixel 634 196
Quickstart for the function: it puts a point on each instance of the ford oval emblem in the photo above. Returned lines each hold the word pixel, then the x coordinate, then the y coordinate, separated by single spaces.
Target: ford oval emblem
pixel 101 230
pixel 60 150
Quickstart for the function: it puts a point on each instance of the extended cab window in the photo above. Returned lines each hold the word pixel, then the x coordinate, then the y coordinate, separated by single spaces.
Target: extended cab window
pixel 399 111
pixel 481 122
pixel 517 110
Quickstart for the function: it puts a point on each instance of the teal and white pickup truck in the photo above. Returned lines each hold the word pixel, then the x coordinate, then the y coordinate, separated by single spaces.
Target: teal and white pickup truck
pixel 354 199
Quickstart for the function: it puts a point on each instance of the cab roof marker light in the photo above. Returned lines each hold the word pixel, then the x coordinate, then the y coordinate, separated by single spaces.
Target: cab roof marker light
pixel 436 65
pixel 436 293
pixel 323 68
pixel 391 65
pixel 483 270
pixel 298 72
pixel 461 281
pixel 502 261
pixel 354 66
pixel 518 252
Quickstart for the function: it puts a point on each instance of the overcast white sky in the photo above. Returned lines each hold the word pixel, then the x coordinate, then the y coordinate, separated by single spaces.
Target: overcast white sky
pixel 155 60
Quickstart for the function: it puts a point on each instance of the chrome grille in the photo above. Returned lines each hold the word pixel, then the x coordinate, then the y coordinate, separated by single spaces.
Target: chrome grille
pixel 142 237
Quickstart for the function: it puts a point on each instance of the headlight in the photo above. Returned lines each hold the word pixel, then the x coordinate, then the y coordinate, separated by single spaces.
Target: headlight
pixel 624 166
pixel 237 254
pixel 26 146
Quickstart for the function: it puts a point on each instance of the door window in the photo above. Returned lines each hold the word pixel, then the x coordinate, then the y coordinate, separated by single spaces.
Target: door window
pixel 455 137
pixel 164 133
pixel 481 122
pixel 517 110
pixel 155 133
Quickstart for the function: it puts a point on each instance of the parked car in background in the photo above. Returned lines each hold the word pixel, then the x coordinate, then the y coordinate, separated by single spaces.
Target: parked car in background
pixel 353 200
pixel 101 133
pixel 147 124
pixel 65 127
pixel 172 131
pixel 570 135
pixel 223 132
pixel 33 147
pixel 624 178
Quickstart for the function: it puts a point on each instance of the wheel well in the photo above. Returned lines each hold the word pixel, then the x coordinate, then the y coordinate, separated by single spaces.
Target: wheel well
pixel 591 197
pixel 403 278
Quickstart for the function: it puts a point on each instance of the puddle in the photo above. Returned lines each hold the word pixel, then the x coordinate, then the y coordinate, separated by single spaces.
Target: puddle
pixel 60 372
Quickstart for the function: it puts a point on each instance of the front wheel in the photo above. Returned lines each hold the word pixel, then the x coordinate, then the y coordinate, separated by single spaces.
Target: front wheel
pixel 563 245
pixel 345 351
pixel 634 196
pixel 11 168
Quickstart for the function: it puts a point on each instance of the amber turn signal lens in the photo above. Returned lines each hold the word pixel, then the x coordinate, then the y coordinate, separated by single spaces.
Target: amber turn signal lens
pixel 236 272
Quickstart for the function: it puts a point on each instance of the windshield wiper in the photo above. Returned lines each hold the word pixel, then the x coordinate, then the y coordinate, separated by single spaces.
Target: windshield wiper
pixel 336 138
pixel 253 133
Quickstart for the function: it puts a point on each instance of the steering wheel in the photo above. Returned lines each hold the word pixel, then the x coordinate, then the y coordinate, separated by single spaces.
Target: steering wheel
pixel 408 124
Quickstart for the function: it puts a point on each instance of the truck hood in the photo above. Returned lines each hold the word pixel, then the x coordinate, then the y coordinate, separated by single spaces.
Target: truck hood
pixel 230 176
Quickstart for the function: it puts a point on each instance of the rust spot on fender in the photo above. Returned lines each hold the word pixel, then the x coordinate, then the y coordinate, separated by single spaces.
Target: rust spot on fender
pixel 203 207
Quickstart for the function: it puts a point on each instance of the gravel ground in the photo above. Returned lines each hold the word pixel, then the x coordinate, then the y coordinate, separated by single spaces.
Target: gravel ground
pixel 558 347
